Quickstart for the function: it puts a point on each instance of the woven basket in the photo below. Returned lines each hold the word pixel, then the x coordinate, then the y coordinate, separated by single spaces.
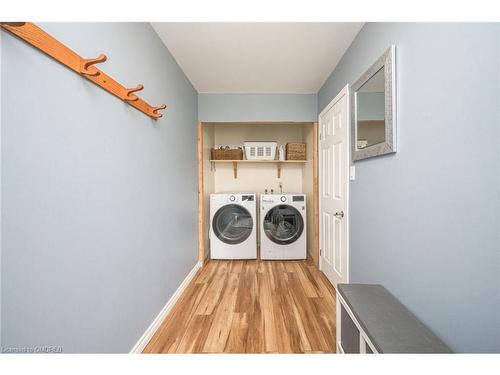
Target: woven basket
pixel 295 151
pixel 227 154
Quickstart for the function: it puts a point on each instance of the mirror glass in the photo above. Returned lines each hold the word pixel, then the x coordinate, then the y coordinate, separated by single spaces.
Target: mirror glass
pixel 370 111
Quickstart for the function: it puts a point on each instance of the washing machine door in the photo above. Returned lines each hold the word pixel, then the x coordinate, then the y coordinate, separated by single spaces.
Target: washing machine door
pixel 232 224
pixel 283 224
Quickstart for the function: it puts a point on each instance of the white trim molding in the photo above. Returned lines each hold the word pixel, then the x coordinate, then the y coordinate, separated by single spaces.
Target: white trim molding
pixel 151 330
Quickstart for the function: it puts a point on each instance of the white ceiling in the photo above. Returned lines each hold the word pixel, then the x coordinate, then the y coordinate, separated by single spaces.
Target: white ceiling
pixel 257 57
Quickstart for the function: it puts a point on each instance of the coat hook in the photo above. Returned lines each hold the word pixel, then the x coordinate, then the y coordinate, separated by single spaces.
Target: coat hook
pixel 132 98
pixel 157 115
pixel 156 109
pixel 88 63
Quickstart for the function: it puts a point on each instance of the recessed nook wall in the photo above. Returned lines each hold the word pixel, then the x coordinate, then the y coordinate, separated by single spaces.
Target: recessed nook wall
pixel 255 178
pixel 295 177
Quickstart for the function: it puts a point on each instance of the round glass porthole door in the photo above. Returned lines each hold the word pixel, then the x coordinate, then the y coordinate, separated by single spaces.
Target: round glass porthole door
pixel 232 224
pixel 283 224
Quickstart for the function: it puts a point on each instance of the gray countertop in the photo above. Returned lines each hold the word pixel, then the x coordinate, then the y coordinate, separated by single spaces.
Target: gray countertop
pixel 391 327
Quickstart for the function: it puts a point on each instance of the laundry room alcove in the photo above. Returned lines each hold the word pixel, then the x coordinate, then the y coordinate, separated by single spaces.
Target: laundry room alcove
pixel 255 176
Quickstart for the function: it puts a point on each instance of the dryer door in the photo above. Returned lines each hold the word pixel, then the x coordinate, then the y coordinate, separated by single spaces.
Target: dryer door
pixel 283 224
pixel 232 224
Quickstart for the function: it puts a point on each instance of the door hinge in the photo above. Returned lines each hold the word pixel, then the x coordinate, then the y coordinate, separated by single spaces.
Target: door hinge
pixel 320 252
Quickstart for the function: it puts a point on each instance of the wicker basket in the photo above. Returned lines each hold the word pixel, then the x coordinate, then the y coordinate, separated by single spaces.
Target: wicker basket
pixel 295 151
pixel 227 154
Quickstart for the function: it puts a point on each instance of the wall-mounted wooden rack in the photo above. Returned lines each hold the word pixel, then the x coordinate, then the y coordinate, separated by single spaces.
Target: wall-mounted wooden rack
pixel 277 162
pixel 38 38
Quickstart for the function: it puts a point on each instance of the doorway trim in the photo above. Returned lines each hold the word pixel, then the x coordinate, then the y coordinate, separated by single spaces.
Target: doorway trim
pixel 340 95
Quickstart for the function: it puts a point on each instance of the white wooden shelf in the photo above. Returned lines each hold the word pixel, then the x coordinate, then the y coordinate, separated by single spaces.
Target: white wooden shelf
pixel 277 162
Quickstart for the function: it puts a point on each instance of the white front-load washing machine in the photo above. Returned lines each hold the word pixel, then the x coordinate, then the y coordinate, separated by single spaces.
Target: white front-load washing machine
pixel 283 233
pixel 233 226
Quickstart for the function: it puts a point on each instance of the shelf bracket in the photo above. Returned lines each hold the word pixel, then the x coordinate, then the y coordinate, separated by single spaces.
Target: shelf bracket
pixel 278 169
pixel 235 169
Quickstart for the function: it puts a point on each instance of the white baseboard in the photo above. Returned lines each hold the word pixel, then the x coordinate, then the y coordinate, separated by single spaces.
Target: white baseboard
pixel 143 341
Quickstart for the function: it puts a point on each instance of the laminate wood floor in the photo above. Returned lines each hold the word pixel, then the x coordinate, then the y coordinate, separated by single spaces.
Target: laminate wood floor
pixel 251 306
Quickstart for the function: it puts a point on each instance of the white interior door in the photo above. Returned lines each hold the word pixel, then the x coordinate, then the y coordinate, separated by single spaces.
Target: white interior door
pixel 333 188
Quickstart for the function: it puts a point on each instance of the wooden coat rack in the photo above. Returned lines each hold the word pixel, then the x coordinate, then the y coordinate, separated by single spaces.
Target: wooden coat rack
pixel 38 38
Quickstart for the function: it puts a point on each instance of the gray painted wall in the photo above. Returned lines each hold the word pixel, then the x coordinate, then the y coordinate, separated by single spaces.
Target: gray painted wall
pixel 99 201
pixel 257 107
pixel 424 222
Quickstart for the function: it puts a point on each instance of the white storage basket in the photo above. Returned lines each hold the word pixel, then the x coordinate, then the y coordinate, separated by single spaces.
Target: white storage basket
pixel 260 150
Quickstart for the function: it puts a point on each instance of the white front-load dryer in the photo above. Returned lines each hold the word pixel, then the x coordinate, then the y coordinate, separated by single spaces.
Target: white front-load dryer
pixel 233 226
pixel 283 233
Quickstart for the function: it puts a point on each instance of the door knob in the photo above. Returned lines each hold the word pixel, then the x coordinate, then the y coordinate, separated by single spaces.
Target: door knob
pixel 339 214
